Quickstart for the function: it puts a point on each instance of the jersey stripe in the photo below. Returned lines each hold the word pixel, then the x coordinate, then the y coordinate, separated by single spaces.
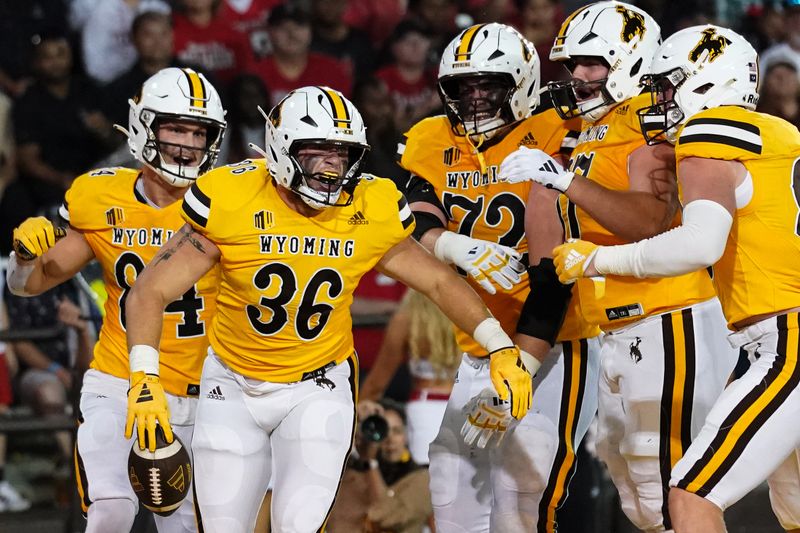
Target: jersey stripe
pixel 197 206
pixel 723 131
pixel 406 216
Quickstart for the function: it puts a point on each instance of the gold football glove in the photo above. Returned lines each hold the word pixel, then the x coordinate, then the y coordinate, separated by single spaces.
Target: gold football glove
pixel 34 237
pixel 147 405
pixel 510 377
pixel 572 258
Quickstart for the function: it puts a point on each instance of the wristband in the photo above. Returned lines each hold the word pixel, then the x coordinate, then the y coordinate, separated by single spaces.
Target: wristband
pixel 143 358
pixel 490 335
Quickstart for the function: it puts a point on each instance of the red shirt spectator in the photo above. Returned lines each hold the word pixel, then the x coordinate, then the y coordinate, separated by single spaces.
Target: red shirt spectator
pixel 376 17
pixel 212 44
pixel 376 295
pixel 250 18
pixel 410 95
pixel 291 65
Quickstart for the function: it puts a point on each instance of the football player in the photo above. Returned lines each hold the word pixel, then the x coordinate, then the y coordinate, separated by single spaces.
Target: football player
pixel 740 189
pixel 121 217
pixel 489 84
pixel 664 356
pixel 292 235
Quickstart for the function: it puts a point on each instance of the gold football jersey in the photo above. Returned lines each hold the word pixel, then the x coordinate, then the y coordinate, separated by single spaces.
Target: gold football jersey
pixel 759 272
pixel 125 232
pixel 602 156
pixel 481 207
pixel 287 280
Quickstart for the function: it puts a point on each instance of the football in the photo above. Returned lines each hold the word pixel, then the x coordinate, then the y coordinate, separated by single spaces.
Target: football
pixel 160 479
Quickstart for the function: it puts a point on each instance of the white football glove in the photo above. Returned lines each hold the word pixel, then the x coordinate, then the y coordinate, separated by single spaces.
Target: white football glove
pixel 526 164
pixel 481 260
pixel 488 419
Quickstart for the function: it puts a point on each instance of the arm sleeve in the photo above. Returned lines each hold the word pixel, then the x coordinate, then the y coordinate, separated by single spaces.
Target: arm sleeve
pixel 697 243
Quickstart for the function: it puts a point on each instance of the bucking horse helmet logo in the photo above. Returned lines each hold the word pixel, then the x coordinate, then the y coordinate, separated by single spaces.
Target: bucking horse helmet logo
pixel 710 42
pixel 632 25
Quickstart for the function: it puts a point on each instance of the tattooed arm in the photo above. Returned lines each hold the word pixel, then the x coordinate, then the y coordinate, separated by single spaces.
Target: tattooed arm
pixel 178 265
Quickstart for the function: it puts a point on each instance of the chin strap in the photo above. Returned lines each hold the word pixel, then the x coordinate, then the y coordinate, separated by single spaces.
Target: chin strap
pixel 476 150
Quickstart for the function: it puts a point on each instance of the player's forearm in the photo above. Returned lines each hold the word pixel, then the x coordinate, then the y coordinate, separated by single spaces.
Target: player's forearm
pixel 630 215
pixel 144 316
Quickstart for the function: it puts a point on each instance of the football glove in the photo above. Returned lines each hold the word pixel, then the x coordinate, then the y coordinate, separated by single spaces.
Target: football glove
pixel 511 379
pixel 488 419
pixel 34 237
pixel 147 405
pixel 527 164
pixel 572 258
pixel 483 261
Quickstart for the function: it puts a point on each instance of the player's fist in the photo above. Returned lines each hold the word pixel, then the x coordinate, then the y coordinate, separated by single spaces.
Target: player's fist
pixel 147 406
pixel 488 419
pixel 572 259
pixel 511 379
pixel 530 164
pixel 34 237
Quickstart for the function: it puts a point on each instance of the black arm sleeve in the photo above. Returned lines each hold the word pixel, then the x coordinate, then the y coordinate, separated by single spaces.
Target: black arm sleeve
pixel 418 189
pixel 546 305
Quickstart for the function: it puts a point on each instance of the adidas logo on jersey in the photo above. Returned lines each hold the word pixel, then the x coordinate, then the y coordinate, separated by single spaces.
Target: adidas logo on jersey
pixel 528 140
pixel 215 394
pixel 358 219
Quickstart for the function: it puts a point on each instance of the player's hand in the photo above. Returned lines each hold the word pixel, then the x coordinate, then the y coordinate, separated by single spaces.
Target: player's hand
pixel 483 261
pixel 34 237
pixel 512 380
pixel 488 419
pixel 530 164
pixel 147 405
pixel 573 260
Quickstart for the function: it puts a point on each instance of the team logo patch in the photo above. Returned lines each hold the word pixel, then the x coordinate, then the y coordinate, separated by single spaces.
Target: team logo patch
pixel 451 156
pixel 636 354
pixel 710 47
pixel 358 219
pixel 115 216
pixel 632 25
pixel 263 220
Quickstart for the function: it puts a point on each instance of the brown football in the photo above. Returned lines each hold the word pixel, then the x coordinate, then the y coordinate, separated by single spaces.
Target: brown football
pixel 160 479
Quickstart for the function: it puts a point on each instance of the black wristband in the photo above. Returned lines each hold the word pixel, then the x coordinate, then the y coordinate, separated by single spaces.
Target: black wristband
pixel 546 305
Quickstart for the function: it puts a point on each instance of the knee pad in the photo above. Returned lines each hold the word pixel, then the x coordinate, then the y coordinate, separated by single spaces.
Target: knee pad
pixel 111 515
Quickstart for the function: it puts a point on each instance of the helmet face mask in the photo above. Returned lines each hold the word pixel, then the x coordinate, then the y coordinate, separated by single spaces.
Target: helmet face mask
pixel 478 104
pixel 659 121
pixel 488 79
pixel 183 98
pixel 620 36
pixel 315 144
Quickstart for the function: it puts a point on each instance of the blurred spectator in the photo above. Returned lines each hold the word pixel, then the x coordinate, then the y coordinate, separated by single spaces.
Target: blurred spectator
pixel 8 170
pixel 383 490
pixel 249 17
pixel 245 123
pixel 420 335
pixel 10 499
pixel 291 64
pixel 439 16
pixel 375 17
pixel 788 51
pixel 202 38
pixel 372 98
pixel 60 131
pixel 762 25
pixel 105 36
pixel 410 78
pixel 334 37
pixel 780 91
pixel 46 380
pixel 539 22
pixel 484 11
pixel 20 21
pixel 376 294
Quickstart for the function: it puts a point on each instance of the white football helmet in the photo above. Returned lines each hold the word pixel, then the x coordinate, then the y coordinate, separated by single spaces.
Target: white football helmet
pixel 698 68
pixel 621 35
pixel 315 116
pixel 175 93
pixel 502 62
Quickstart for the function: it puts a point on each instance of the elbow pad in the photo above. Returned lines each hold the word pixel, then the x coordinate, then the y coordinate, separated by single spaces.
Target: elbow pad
pixel 546 305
